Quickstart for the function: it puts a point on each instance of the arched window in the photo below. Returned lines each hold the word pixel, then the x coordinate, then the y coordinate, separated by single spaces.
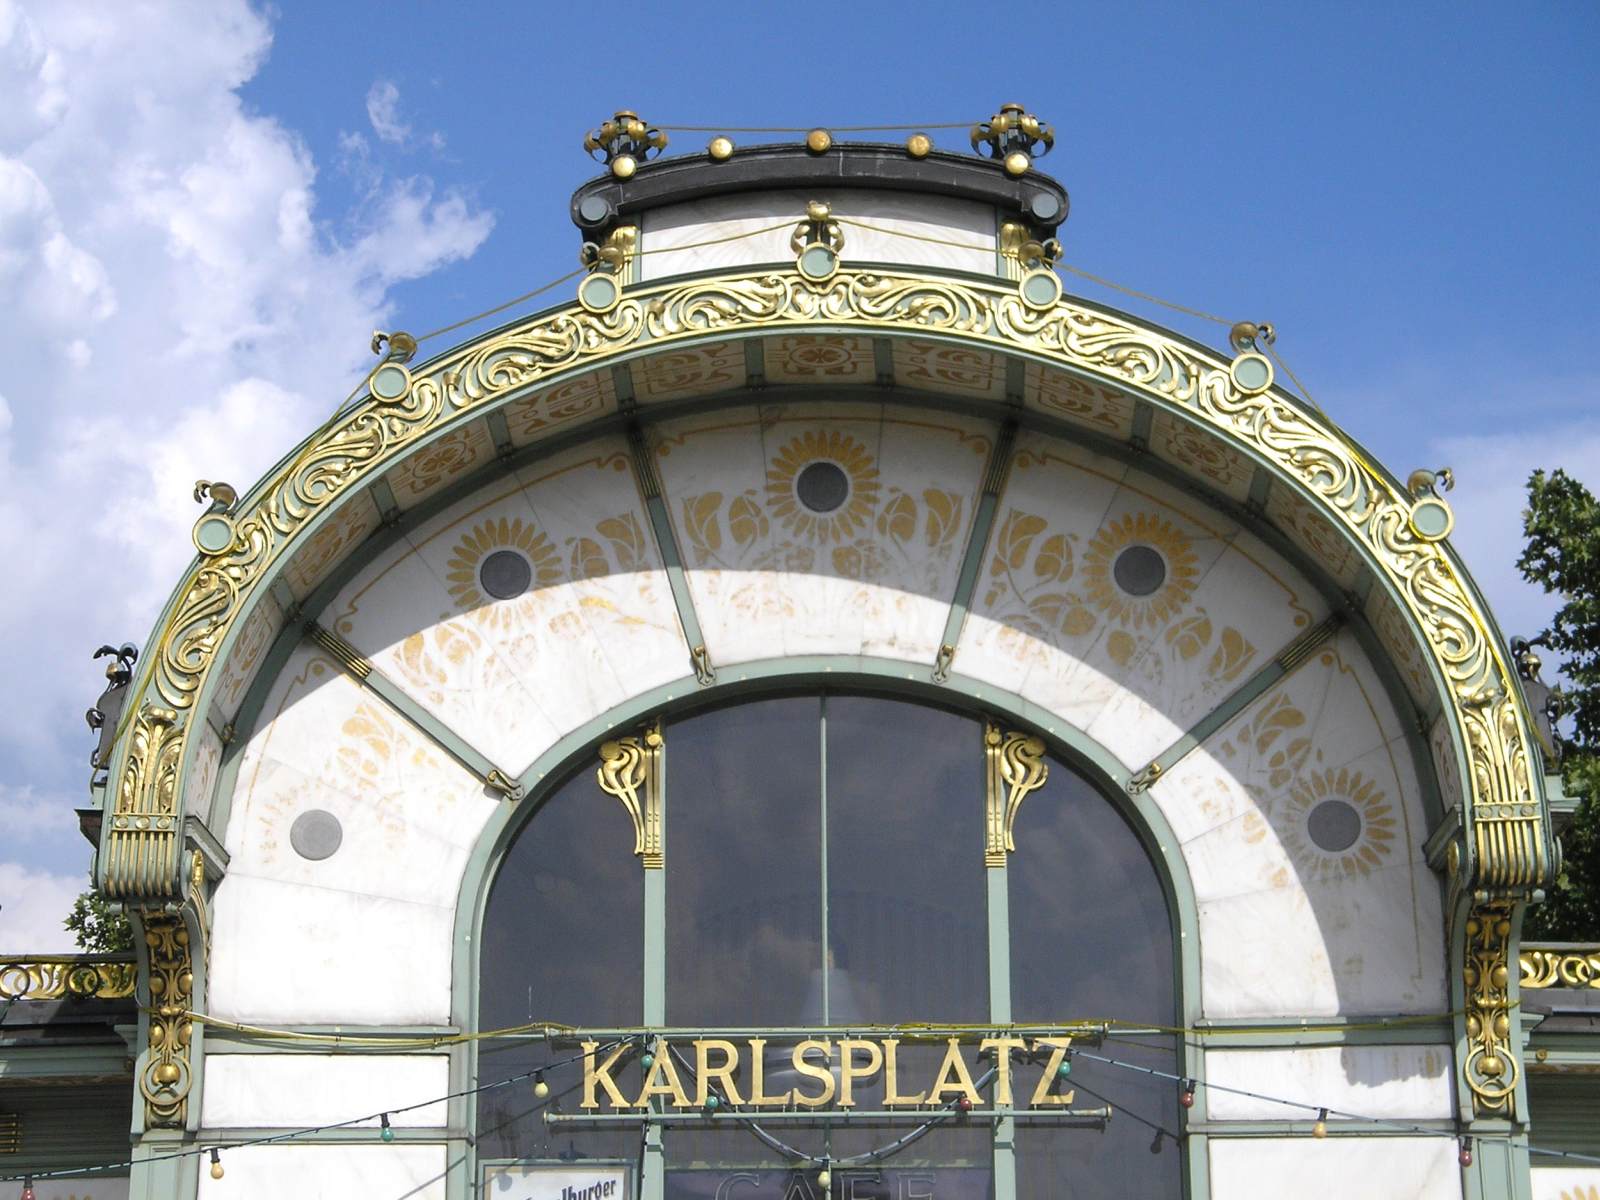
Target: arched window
pixel 827 875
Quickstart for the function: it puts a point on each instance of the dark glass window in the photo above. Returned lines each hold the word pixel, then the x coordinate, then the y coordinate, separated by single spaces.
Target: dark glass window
pixel 825 867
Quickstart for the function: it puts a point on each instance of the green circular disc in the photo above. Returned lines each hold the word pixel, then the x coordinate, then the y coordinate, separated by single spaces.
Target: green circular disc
pixel 390 382
pixel 213 534
pixel 1431 518
pixel 818 262
pixel 598 292
pixel 1041 289
pixel 1252 373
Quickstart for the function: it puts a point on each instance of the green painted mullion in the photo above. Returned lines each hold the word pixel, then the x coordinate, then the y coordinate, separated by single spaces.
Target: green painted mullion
pixel 822 805
pixel 653 1175
pixel 649 482
pixel 1291 657
pixel 1004 1133
pixel 994 480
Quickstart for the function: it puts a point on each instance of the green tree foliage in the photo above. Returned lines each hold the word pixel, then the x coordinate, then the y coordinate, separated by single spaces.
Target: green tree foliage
pixel 1562 525
pixel 98 928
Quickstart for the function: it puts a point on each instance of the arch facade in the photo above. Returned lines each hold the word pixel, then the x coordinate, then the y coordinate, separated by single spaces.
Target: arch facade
pixel 1188 584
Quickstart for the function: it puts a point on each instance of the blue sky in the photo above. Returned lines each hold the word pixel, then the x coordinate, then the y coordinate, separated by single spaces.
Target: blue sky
pixel 206 208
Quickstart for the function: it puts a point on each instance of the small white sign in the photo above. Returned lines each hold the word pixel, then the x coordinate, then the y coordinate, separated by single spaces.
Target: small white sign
pixel 518 1181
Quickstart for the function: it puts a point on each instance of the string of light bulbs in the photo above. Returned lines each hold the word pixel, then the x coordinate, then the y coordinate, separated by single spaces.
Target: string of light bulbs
pixel 1187 1089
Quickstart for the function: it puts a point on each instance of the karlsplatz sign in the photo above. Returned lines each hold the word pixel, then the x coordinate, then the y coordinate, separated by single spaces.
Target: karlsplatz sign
pixel 819 1073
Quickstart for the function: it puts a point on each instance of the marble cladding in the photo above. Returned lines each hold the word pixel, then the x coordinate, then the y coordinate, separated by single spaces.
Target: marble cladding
pixel 1399 1082
pixel 265 1091
pixel 1417 1168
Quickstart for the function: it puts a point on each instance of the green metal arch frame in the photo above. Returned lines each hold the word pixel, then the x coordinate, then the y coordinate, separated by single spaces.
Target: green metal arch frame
pixel 1501 852
pixel 1496 757
pixel 576 751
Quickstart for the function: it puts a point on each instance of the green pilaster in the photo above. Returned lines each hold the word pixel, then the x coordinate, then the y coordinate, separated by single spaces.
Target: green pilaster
pixel 1005 1127
pixel 653 1181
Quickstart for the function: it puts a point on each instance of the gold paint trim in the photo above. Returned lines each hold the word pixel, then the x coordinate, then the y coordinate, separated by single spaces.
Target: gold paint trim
pixel 1566 968
pixel 630 770
pixel 66 976
pixel 1491 1067
pixel 1016 768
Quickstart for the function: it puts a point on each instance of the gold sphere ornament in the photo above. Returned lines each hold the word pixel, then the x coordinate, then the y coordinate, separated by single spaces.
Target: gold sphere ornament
pixel 721 149
pixel 624 165
pixel 1017 163
pixel 818 141
pixel 918 145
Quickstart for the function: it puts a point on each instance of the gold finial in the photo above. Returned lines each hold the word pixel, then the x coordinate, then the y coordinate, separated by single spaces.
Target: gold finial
pixel 1014 137
pixel 623 142
pixel 918 145
pixel 818 141
pixel 720 149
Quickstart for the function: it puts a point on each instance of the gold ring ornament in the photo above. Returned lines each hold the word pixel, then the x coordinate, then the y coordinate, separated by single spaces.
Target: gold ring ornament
pixel 1040 289
pixel 1251 373
pixel 600 292
pixel 1431 518
pixel 816 242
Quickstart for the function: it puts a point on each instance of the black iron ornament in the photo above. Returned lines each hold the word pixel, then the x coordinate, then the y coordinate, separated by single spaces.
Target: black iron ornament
pixel 1013 137
pixel 108 709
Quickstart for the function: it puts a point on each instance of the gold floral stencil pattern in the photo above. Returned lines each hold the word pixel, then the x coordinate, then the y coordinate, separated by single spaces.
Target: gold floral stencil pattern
pixel 1374 840
pixel 1160 606
pixel 484 539
pixel 844 452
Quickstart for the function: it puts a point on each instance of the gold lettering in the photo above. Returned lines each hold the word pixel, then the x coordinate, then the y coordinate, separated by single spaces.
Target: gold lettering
pixel 601 1075
pixel 1002 1047
pixel 662 1069
pixel 758 1078
pixel 1042 1095
pixel 954 1065
pixel 822 1074
pixel 849 1072
pixel 891 1077
pixel 705 1072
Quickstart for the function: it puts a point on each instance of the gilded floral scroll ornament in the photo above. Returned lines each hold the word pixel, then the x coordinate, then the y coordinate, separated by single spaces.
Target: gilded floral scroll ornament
pixel 1016 767
pixel 1491 1065
pixel 170 936
pixel 66 977
pixel 1568 967
pixel 630 770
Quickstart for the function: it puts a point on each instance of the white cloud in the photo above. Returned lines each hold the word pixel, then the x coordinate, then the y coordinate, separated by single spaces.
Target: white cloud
pixel 25 813
pixel 33 905
pixel 173 305
pixel 383 110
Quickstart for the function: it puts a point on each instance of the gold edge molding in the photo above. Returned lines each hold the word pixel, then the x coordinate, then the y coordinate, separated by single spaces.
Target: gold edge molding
pixel 66 976
pixel 1490 1066
pixel 1565 968
pixel 373 433
pixel 630 770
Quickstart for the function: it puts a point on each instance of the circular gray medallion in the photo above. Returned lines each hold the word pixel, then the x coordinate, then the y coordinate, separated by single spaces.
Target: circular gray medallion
pixel 1334 825
pixel 505 574
pixel 316 834
pixel 1139 570
pixel 822 486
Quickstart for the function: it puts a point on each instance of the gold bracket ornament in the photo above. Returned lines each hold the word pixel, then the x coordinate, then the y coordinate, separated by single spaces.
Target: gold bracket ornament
pixel 1431 518
pixel 1016 768
pixel 169 935
pixel 1491 1064
pixel 498 781
pixel 630 770
pixel 608 264
pixel 140 857
pixel 816 242
pixel 213 533
pixel 700 660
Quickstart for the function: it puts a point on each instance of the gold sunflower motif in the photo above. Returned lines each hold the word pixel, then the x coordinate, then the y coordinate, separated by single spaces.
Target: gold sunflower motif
pixel 1337 825
pixel 512 534
pixel 1177 584
pixel 841 524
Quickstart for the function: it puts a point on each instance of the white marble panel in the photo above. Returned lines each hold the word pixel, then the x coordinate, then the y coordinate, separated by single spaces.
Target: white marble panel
pixel 289 953
pixel 412 1171
pixel 293 1091
pixel 1403 1082
pixel 509 676
pixel 734 217
pixel 1373 1168
pixel 409 813
pixel 1050 619
pixel 874 576
pixel 1565 1183
pixel 1289 926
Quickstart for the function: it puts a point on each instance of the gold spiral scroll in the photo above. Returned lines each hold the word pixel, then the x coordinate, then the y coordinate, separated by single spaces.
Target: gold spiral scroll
pixel 66 976
pixel 1016 768
pixel 1564 968
pixel 630 770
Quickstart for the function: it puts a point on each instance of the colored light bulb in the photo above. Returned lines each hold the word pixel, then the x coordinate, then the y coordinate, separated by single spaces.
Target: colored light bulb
pixel 1320 1129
